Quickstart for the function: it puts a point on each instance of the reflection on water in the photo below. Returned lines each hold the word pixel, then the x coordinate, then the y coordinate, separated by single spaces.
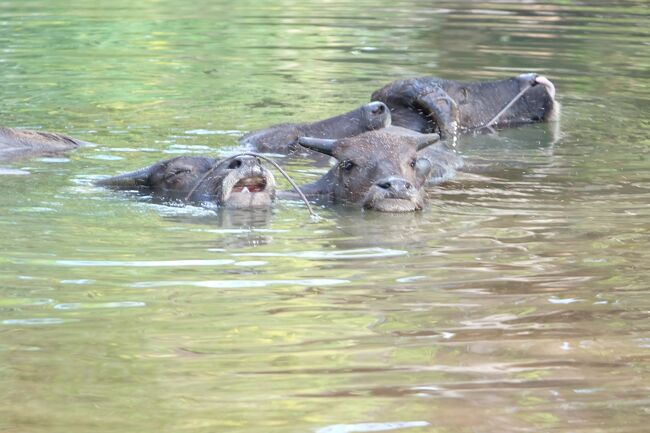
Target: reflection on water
pixel 362 253
pixel 369 427
pixel 515 302
pixel 239 283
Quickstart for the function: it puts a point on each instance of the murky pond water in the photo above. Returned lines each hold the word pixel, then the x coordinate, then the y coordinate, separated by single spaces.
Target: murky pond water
pixel 516 302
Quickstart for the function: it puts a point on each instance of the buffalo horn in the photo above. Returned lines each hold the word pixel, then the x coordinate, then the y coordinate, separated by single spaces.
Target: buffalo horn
pixel 426 140
pixel 322 145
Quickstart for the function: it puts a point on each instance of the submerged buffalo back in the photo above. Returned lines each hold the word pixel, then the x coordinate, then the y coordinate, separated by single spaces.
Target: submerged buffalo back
pixel 368 117
pixel 284 137
pixel 276 138
pixel 16 143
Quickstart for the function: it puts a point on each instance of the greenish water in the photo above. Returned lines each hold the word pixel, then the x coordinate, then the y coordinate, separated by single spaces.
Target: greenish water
pixel 516 302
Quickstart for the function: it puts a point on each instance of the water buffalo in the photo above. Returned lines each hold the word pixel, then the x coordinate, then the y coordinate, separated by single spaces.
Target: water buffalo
pixel 284 137
pixel 21 143
pixel 240 182
pixel 382 170
pixel 430 104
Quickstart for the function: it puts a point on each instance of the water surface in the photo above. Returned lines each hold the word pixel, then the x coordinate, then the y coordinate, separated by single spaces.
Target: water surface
pixel 515 302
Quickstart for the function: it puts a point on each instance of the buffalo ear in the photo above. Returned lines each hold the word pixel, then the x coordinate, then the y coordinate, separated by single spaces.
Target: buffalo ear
pixel 322 145
pixel 425 140
pixel 134 179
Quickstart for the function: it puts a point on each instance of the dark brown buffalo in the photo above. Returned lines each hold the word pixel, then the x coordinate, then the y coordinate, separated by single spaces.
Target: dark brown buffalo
pixel 284 137
pixel 22 143
pixel 430 104
pixel 382 170
pixel 240 182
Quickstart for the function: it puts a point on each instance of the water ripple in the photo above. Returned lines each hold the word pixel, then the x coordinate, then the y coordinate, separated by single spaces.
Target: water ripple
pixel 87 305
pixel 52 160
pixel 35 321
pixel 361 253
pixel 145 264
pixel 371 426
pixel 233 132
pixel 24 301
pixel 12 171
pixel 239 284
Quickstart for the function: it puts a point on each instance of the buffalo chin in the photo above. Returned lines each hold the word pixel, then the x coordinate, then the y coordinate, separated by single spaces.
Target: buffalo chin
pixel 394 205
pixel 242 200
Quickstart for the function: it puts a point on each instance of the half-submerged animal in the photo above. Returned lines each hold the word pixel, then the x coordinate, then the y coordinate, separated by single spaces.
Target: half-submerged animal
pixel 284 137
pixel 430 104
pixel 239 182
pixel 383 170
pixel 23 143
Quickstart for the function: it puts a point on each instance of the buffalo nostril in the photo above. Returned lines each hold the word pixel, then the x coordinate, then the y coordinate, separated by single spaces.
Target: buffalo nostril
pixel 379 110
pixel 384 185
pixel 235 163
pixel 408 185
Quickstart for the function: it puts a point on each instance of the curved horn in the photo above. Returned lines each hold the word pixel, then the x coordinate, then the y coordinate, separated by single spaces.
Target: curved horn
pixel 133 179
pixel 322 145
pixel 441 108
pixel 426 140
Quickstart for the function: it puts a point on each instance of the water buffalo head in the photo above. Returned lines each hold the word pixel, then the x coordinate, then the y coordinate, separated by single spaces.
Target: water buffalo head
pixel 284 137
pixel 431 104
pixel 479 103
pixel 238 182
pixel 377 170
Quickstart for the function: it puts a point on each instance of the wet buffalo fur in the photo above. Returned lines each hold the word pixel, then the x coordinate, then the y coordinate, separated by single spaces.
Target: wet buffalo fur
pixel 21 143
pixel 430 104
pixel 383 170
pixel 284 137
pixel 239 182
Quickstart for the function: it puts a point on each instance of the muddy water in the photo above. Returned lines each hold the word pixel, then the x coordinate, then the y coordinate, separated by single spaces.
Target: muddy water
pixel 515 302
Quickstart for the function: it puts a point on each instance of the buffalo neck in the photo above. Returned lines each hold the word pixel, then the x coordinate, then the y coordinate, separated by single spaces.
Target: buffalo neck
pixel 322 187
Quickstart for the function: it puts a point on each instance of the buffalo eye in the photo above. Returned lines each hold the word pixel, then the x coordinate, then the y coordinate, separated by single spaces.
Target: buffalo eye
pixel 413 163
pixel 177 172
pixel 347 165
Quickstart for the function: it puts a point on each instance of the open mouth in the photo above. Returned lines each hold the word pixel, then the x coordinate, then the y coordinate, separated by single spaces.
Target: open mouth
pixel 254 189
pixel 250 185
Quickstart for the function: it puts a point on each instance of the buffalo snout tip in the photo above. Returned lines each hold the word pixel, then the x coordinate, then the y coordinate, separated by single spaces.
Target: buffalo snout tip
pixel 378 109
pixel 550 88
